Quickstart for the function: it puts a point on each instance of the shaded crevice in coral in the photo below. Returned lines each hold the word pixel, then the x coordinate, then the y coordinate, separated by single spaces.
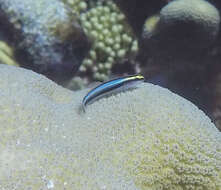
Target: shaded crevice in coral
pixel 138 11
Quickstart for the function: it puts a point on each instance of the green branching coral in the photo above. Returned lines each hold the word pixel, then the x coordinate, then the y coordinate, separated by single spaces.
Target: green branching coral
pixel 7 54
pixel 77 6
pixel 112 38
pixel 145 139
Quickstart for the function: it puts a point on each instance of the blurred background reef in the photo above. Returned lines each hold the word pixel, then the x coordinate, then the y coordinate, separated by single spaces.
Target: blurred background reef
pixel 175 44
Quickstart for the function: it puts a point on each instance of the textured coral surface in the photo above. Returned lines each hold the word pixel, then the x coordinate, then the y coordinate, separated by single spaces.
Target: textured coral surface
pixel 147 138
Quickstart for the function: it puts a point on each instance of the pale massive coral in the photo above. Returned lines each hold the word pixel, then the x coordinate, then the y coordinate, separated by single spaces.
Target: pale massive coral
pixel 183 28
pixel 200 14
pixel 146 139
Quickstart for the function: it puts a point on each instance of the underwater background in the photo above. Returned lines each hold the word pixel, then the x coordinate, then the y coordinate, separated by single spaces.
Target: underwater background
pixel 78 44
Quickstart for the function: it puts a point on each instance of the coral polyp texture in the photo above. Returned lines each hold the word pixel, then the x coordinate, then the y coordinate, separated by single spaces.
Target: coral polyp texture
pixel 46 31
pixel 112 38
pixel 145 139
pixel 77 6
pixel 184 25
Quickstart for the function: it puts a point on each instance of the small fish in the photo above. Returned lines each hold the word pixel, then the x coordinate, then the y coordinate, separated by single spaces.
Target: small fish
pixel 112 87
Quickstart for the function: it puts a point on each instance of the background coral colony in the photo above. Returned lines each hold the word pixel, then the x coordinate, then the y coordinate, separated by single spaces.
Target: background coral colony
pixel 60 56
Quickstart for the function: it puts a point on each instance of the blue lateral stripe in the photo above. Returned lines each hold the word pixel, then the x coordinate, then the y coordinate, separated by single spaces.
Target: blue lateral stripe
pixel 108 87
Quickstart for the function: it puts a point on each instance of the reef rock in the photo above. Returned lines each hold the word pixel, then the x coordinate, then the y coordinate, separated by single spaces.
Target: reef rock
pixel 46 35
